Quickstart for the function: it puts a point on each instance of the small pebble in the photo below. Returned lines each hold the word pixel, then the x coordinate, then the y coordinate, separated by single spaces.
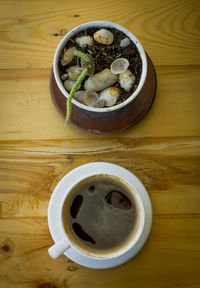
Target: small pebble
pixel 125 42
pixel 84 41
pixel 79 96
pixel 104 36
pixel 68 84
pixel 74 72
pixel 68 56
pixel 91 98
pixel 101 103
pixel 110 95
pixel 64 76
pixel 100 80
pixel 126 80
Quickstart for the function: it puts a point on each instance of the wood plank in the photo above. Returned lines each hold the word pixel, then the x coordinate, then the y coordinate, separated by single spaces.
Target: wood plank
pixel 31 30
pixel 36 150
pixel 170 258
pixel 27 112
pixel 168 167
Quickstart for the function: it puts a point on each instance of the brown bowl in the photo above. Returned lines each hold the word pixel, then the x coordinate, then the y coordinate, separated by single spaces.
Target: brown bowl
pixel 109 120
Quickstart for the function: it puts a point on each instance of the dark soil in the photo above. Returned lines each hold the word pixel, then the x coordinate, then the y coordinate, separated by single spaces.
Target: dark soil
pixel 104 55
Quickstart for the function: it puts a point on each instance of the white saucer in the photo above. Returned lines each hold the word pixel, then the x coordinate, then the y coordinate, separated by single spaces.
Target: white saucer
pixel 83 172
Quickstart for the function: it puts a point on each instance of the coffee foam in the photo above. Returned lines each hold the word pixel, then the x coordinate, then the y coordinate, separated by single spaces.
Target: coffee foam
pixel 96 220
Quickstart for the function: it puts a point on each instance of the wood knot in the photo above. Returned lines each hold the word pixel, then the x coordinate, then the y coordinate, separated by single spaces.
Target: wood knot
pixel 7 247
pixel 72 268
pixel 70 261
pixel 62 33
pixel 70 157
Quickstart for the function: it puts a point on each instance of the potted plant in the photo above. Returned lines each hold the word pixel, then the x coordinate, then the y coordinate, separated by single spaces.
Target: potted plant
pixel 100 68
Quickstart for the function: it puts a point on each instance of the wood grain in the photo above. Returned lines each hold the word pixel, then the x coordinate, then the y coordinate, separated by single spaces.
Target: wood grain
pixel 32 115
pixel 36 150
pixel 31 30
pixel 169 169
pixel 172 251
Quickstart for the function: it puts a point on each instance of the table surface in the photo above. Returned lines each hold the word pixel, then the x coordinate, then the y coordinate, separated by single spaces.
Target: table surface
pixel 37 150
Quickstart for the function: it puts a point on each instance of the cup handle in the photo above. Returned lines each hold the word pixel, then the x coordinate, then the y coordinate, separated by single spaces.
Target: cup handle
pixel 58 248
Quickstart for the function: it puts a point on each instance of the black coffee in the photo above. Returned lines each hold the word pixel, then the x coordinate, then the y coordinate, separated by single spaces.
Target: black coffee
pixel 101 213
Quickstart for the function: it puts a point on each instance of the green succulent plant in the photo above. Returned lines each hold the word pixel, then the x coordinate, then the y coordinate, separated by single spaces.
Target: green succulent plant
pixel 87 64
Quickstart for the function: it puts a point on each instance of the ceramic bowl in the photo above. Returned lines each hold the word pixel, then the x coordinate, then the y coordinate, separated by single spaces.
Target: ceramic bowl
pixel 99 24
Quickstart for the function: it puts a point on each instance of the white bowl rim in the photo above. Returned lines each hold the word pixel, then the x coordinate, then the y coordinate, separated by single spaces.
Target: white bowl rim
pixel 98 24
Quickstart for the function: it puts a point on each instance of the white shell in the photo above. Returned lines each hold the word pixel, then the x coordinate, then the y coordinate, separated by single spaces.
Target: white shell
pixel 79 96
pixel 110 95
pixel 91 98
pixel 68 56
pixel 119 65
pixel 104 36
pixel 84 41
pixel 74 72
pixel 101 80
pixel 68 84
pixel 125 42
pixel 126 80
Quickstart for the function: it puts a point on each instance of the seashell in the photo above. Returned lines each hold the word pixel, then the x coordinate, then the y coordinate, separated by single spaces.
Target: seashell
pixel 68 56
pixel 79 96
pixel 74 72
pixel 125 42
pixel 126 80
pixel 104 36
pixel 110 95
pixel 91 98
pixel 84 41
pixel 100 80
pixel 68 84
pixel 119 65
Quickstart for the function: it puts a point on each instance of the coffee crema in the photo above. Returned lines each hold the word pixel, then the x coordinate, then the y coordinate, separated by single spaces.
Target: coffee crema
pixel 101 214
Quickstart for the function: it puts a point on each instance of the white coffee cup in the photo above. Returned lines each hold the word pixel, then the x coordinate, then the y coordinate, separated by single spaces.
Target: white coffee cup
pixel 65 242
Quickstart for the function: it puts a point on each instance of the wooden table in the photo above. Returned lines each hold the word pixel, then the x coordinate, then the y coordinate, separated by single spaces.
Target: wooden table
pixel 37 150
